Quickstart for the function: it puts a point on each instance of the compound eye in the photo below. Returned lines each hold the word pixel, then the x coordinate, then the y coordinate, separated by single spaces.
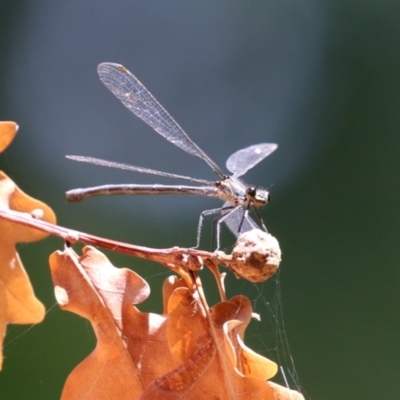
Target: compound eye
pixel 269 197
pixel 251 191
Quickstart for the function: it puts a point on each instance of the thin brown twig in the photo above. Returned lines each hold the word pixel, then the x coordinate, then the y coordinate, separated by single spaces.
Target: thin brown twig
pixel 174 258
pixel 255 257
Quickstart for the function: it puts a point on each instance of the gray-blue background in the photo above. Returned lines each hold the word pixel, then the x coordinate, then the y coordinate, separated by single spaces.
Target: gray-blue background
pixel 322 79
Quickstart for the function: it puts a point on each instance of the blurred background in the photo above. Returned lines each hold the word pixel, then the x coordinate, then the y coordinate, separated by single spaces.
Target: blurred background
pixel 321 79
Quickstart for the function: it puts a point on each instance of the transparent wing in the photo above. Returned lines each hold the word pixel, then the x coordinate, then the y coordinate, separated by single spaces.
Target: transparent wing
pixel 234 219
pixel 128 167
pixel 243 160
pixel 133 95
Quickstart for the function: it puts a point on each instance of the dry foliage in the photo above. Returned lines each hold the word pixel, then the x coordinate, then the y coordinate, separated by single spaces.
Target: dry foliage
pixel 18 304
pixel 8 130
pixel 191 351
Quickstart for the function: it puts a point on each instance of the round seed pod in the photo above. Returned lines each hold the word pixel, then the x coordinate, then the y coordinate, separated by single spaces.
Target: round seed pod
pixel 256 256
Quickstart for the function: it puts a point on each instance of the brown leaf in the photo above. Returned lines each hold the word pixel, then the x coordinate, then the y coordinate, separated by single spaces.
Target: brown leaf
pixel 208 368
pixel 183 354
pixel 231 320
pixel 8 130
pixel 18 304
pixel 91 287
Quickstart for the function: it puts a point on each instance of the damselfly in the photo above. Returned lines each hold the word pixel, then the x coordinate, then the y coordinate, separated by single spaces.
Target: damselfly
pixel 239 198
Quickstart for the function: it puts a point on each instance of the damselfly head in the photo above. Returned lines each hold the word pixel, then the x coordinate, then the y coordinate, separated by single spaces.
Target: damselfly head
pixel 258 197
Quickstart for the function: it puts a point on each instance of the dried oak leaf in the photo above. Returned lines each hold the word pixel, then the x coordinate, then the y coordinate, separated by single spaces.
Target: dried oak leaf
pixel 8 130
pixel 182 354
pixel 93 288
pixel 18 304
